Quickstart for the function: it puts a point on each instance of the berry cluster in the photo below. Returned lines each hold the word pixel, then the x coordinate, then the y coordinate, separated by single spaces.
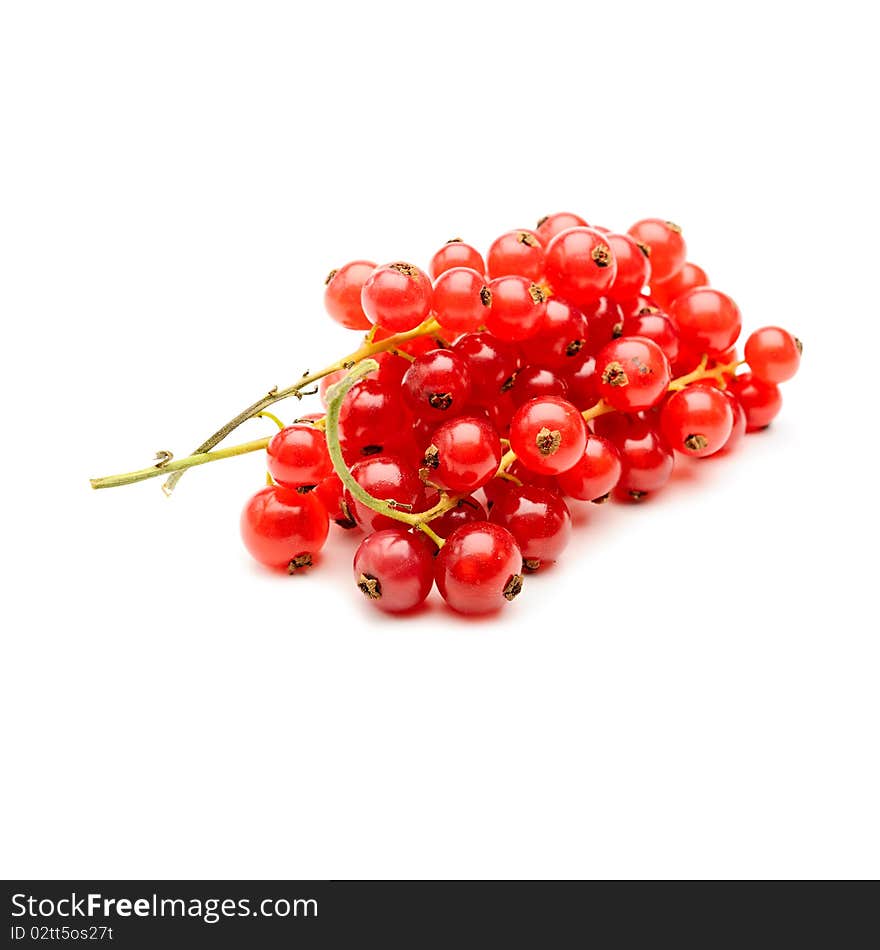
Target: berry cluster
pixel 571 363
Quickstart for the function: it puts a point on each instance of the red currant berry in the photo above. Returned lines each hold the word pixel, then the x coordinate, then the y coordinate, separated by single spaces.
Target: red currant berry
pixel 633 374
pixel 761 401
pixel 284 528
pixel 633 266
pixel 666 247
pixel 538 519
pixel 397 296
pixel 461 300
pixel 331 493
pixel 464 455
pixel 394 570
pixel 561 336
pixel 656 326
pixel 516 252
pixel 331 379
pixel 707 320
pixel 646 459
pixel 596 474
pixel 298 456
pixel 491 363
pixel 697 420
pixel 604 323
pixel 690 276
pixel 548 435
pixel 456 253
pixel 534 381
pixel 387 478
pixel 580 265
pixel 740 423
pixel 479 568
pixel 552 224
pixel 437 384
pixel 342 296
pixel 371 418
pixel 466 511
pixel 773 354
pixel 582 382
pixel 517 308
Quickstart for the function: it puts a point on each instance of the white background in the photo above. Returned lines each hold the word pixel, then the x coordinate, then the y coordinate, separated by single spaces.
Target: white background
pixel 691 692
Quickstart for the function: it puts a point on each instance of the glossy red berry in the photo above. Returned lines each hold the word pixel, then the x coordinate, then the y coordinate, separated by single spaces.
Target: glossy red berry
pixel 479 569
pixel 582 382
pixel 517 308
pixel 604 323
pixel 691 275
pixel 707 320
pixel 461 300
pixel 552 224
pixel 516 252
pixel 548 435
pixel 342 294
pixel 456 253
pixel 284 528
pixel 466 511
pixel 491 363
pixel 656 326
pixel 646 460
pixel 538 519
pixel 387 478
pixel 394 570
pixel 560 338
pixel 761 401
pixel 580 265
pixel 665 245
pixel 740 422
pixel 298 456
pixel 331 493
pixel 597 472
pixel 534 381
pixel 371 418
pixel 697 420
pixel 633 266
pixel 463 455
pixel 773 354
pixel 633 374
pixel 397 296
pixel 437 384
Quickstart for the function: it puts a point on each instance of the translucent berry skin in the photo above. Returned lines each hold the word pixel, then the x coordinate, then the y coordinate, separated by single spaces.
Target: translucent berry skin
pixel 633 374
pixel 456 254
pixel 491 363
pixel 773 354
pixel 388 478
pixel 654 326
pixel 517 308
pixel 342 294
pixel 466 511
pixel 691 275
pixel 580 265
pixel 707 320
pixel 397 296
pixel 437 385
pixel 283 528
pixel 633 267
pixel 740 423
pixel 479 569
pixel 516 252
pixel 666 248
pixel 464 455
pixel 534 381
pixel 553 224
pixel 548 435
pixel 596 474
pixel 582 382
pixel 331 493
pixel 371 418
pixel 646 459
pixel 461 300
pixel 538 519
pixel 761 401
pixel 298 456
pixel 394 570
pixel 604 321
pixel 697 420
pixel 560 338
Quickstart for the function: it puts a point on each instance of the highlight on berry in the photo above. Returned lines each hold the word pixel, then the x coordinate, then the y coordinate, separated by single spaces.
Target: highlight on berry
pixel 571 364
